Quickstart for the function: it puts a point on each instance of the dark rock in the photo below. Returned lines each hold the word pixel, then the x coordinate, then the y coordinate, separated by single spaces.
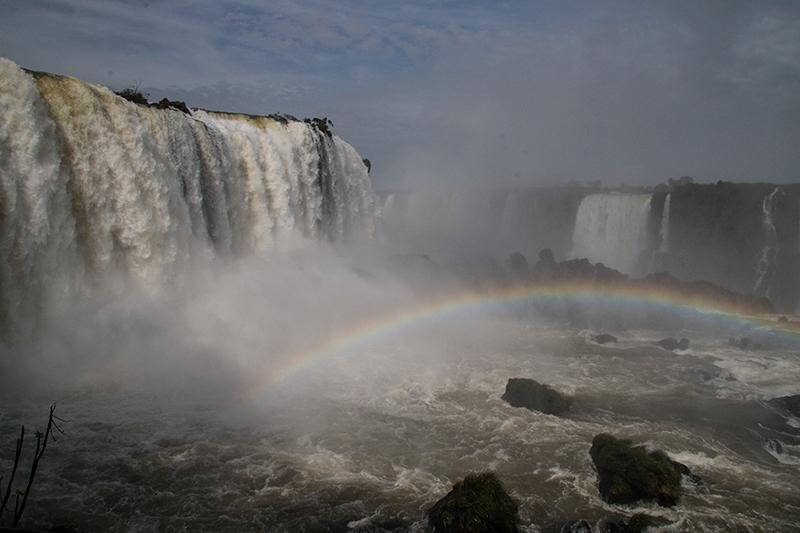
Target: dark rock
pixel 788 403
pixel 744 343
pixel 630 473
pixel 705 291
pixel 684 471
pixel 172 104
pixel 577 526
pixel 523 392
pixel 637 524
pixel 517 265
pixel 671 343
pixel 545 268
pixel 604 338
pixel 774 446
pixel 477 504
pixel 615 527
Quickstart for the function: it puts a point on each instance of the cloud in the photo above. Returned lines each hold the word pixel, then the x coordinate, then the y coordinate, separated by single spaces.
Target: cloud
pixel 463 92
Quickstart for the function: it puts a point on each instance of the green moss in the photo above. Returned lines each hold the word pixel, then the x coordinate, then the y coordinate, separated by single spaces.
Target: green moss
pixel 133 94
pixel 631 473
pixel 639 522
pixel 477 504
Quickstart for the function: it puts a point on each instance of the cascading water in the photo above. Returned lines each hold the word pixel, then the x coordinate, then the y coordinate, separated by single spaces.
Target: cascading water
pixel 660 256
pixel 612 229
pixel 767 260
pixel 664 231
pixel 98 191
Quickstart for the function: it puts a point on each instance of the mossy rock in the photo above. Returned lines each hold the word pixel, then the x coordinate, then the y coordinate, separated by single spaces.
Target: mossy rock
pixel 477 504
pixel 630 473
pixel 528 393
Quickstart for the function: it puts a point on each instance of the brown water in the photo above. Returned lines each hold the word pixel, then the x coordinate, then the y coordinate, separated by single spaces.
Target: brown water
pixel 368 438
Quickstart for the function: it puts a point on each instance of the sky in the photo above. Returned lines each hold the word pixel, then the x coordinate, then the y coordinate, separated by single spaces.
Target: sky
pixel 444 94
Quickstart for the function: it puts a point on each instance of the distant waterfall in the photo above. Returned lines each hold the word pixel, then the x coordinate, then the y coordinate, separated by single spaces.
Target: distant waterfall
pixel 612 229
pixel 768 258
pixel 96 190
pixel 664 231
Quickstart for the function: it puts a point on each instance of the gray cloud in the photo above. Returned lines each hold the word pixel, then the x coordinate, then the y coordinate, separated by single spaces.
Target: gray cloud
pixel 453 93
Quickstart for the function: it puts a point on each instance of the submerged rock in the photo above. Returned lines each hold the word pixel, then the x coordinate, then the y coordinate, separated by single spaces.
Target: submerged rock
pixel 477 504
pixel 523 392
pixel 604 338
pixel 577 526
pixel 671 343
pixel 630 473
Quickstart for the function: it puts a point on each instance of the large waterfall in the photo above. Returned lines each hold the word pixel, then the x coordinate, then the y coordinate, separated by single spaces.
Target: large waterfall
pixel 612 229
pixel 96 191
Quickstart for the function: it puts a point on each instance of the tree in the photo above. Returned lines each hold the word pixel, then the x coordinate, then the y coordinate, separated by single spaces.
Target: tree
pixel 41 445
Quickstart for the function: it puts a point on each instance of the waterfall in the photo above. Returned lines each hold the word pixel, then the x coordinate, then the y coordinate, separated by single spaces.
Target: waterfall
pixel 664 231
pixel 660 256
pixel 612 229
pixel 96 191
pixel 769 253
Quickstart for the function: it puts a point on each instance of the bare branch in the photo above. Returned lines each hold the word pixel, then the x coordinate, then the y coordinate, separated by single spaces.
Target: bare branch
pixel 13 471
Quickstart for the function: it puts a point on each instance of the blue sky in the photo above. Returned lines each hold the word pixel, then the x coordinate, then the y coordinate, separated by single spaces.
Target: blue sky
pixel 463 93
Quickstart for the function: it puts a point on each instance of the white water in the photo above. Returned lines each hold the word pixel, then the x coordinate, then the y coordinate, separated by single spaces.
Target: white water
pixel 99 193
pixel 664 231
pixel 766 261
pixel 612 229
pixel 370 436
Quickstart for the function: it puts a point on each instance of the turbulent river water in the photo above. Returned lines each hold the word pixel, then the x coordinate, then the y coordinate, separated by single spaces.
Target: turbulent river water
pixel 192 413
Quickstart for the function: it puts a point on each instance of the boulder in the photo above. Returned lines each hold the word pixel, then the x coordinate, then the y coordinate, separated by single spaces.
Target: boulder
pixel 637 524
pixel 517 266
pixel 546 267
pixel 523 392
pixel 577 526
pixel 671 343
pixel 173 104
pixel 604 338
pixel 477 504
pixel 629 473
pixel 788 403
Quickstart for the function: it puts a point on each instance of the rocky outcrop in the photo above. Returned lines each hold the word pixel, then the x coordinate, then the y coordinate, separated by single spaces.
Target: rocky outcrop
pixel 707 292
pixel 788 403
pixel 671 343
pixel 630 473
pixel 546 269
pixel 477 504
pixel 528 393
pixel 604 338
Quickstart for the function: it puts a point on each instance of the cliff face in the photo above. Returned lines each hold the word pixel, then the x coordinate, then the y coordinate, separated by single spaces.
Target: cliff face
pixel 745 237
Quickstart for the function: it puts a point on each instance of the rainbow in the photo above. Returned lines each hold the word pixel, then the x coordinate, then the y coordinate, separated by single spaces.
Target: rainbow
pixel 457 305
